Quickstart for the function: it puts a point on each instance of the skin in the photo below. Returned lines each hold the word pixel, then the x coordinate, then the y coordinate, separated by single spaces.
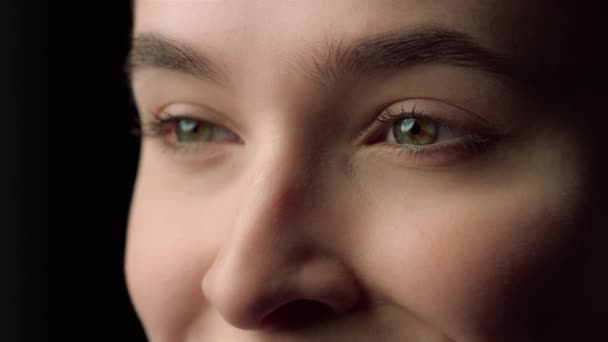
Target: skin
pixel 233 240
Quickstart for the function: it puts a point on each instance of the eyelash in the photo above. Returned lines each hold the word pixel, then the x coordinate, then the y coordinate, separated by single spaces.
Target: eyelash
pixel 469 145
pixel 157 128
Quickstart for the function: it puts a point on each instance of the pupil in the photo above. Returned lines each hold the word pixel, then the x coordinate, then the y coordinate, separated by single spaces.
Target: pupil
pixel 415 128
pixel 410 126
pixel 415 132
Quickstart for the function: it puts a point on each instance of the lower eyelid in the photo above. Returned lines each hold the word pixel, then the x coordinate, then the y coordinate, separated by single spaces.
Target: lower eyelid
pixel 435 155
pixel 195 154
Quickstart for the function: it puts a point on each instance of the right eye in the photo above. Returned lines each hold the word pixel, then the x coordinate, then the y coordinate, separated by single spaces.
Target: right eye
pixel 189 131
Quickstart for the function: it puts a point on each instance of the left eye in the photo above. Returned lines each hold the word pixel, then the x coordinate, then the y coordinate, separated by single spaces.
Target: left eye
pixel 191 131
pixel 419 131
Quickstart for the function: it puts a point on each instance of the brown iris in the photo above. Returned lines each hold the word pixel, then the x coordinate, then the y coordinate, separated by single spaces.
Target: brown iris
pixel 415 131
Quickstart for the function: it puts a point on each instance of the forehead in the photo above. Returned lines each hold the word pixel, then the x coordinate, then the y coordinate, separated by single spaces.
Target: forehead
pixel 238 27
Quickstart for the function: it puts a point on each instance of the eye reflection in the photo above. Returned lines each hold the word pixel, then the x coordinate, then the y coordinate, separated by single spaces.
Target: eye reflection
pixel 189 131
pixel 415 131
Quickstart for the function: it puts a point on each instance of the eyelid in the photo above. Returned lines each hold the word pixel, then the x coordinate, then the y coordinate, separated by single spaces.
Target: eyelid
pixel 476 135
pixel 438 111
pixel 151 126
pixel 389 117
pixel 185 110
pixel 173 120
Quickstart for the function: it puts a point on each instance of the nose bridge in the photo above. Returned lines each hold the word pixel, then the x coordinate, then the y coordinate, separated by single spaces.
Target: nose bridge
pixel 288 176
pixel 269 224
pixel 268 260
pixel 283 182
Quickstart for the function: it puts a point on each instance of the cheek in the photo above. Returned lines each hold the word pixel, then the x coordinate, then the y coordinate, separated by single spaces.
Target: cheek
pixel 163 270
pixel 172 240
pixel 457 253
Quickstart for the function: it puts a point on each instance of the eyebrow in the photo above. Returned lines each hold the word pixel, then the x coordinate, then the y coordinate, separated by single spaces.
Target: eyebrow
pixel 151 50
pixel 387 52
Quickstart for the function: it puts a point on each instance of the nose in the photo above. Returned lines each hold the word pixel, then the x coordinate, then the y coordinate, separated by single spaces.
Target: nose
pixel 270 260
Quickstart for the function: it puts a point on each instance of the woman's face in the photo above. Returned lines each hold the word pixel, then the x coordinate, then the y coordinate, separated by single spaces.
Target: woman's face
pixel 349 170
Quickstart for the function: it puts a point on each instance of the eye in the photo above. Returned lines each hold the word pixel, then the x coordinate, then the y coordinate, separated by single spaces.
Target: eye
pixel 438 135
pixel 182 132
pixel 192 131
pixel 418 131
pixel 414 131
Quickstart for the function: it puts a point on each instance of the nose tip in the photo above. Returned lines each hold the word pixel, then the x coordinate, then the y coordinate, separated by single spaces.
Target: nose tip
pixel 259 295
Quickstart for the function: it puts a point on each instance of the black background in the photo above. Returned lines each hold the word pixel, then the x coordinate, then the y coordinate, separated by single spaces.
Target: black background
pixel 68 166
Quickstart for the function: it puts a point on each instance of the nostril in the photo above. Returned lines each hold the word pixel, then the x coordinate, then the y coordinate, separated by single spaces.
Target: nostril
pixel 298 314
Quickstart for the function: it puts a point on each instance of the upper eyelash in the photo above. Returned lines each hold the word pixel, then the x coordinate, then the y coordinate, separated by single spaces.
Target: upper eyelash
pixel 401 114
pixel 471 145
pixel 155 128
pixel 388 117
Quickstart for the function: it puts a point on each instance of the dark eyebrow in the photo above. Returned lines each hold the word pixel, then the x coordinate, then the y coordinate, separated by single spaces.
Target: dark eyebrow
pixel 151 50
pixel 389 52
